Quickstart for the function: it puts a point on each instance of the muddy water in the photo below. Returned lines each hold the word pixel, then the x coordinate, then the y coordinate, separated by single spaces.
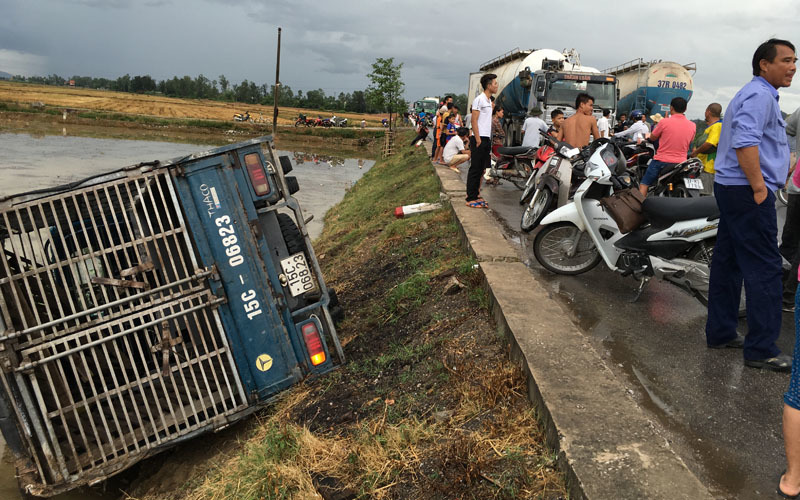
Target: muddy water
pixel 29 163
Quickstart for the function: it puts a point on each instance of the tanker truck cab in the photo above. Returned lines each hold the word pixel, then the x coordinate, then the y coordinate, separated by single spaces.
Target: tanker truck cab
pixel 558 90
pixel 546 78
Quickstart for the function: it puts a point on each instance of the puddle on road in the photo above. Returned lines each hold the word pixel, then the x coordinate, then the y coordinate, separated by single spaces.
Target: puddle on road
pixel 30 163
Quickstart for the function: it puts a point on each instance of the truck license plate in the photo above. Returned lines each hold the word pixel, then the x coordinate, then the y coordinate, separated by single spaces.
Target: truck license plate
pixel 693 183
pixel 297 274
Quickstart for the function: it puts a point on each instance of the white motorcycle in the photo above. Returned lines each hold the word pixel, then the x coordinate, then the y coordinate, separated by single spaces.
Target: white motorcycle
pixel 552 181
pixel 675 243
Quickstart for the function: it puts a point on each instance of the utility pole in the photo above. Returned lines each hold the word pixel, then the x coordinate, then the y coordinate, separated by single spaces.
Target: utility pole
pixel 277 88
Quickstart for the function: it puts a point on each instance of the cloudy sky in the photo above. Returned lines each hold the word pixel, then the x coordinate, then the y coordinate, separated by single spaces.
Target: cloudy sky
pixel 330 44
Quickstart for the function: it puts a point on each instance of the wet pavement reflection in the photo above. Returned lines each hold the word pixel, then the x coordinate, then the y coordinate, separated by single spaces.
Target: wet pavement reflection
pixel 723 419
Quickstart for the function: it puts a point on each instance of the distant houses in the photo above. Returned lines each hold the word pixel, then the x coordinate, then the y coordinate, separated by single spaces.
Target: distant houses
pixel 5 76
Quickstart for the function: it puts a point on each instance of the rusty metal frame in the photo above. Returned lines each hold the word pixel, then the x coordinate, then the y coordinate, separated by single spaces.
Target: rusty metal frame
pixel 104 373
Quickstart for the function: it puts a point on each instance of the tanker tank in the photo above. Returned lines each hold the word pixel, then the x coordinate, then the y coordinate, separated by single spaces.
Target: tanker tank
pixel 512 95
pixel 650 86
pixel 547 79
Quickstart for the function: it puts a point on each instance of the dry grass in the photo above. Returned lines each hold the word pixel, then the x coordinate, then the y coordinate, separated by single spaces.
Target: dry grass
pixel 155 106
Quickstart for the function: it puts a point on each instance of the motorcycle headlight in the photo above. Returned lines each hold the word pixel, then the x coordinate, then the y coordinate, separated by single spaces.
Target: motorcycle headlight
pixel 609 158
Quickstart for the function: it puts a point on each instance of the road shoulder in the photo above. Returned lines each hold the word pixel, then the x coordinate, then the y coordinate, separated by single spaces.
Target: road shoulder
pixel 607 446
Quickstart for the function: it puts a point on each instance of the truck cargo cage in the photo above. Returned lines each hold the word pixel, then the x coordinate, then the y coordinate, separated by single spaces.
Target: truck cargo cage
pixel 117 333
pixel 111 336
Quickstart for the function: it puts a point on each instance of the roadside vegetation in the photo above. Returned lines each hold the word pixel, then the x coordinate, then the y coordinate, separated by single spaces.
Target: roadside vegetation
pixel 427 406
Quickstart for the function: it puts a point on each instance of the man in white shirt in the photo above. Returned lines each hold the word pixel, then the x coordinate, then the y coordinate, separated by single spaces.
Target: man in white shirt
pixel 639 130
pixel 481 141
pixel 533 127
pixel 603 125
pixel 454 151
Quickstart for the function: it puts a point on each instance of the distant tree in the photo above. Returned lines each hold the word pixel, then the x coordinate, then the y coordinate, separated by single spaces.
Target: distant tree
pixel 386 90
pixel 223 83
pixel 460 100
pixel 123 83
pixel 141 84
pixel 358 102
pixel 315 99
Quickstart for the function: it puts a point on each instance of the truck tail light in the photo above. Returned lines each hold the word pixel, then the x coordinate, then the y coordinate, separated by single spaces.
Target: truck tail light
pixel 316 351
pixel 258 177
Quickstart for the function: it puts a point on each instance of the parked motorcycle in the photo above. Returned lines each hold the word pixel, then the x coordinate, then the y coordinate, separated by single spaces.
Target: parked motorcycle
pixel 513 164
pixel 675 243
pixel 302 120
pixel 338 122
pixel 638 156
pixel 242 117
pixel 554 181
pixel 680 181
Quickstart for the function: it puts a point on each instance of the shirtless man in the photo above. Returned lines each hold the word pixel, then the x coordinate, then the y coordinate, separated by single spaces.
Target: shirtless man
pixel 576 129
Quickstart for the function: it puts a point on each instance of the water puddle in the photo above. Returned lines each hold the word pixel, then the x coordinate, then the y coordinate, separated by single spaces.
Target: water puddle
pixel 28 163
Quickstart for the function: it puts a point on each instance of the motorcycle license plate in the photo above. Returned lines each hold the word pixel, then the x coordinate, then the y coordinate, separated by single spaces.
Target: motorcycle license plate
pixel 298 275
pixel 693 183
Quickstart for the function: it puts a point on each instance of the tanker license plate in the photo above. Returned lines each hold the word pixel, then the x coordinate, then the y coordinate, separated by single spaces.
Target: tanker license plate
pixel 693 183
pixel 297 274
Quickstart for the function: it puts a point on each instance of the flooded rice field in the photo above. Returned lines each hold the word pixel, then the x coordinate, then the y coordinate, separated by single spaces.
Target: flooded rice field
pixel 30 163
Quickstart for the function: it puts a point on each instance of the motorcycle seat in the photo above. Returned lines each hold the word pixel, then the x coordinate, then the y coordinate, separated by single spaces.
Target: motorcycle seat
pixel 513 151
pixel 666 211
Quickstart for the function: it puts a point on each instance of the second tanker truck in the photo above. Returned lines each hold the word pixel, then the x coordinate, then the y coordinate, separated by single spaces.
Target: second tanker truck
pixel 545 78
pixel 650 86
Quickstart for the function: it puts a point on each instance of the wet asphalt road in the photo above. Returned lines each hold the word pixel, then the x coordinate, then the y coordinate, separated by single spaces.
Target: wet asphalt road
pixel 722 418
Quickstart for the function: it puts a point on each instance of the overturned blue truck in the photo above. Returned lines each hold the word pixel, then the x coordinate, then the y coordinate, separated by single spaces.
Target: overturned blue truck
pixel 145 306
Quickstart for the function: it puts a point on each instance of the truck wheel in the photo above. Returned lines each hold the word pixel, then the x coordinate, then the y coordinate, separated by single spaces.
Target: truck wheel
pixel 291 234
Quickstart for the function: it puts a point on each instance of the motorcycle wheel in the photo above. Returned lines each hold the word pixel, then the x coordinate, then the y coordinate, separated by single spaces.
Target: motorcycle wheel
pixel 530 188
pixel 536 209
pixel 550 247
pixel 525 171
pixel 296 124
pixel 678 190
pixel 782 196
pixel 703 253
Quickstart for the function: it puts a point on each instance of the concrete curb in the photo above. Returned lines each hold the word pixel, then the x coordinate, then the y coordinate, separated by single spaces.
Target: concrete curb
pixel 607 447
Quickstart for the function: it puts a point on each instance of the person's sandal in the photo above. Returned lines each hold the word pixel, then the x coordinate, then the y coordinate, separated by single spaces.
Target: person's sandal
pixel 477 204
pixel 780 492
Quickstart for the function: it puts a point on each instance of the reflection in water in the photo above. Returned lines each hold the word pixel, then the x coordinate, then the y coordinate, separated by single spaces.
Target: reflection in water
pixel 332 161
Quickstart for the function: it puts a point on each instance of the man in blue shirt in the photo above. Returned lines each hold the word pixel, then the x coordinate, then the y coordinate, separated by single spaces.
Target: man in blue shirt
pixel 752 162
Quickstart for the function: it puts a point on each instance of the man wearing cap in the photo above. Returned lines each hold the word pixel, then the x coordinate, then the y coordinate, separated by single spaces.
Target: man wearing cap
pixel 639 129
pixel 675 135
pixel 707 150
pixel 533 127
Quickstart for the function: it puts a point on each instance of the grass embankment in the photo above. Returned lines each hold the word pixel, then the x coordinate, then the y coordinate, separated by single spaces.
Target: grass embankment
pixel 427 406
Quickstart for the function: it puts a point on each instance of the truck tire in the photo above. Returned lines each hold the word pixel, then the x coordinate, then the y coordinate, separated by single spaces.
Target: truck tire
pixel 291 234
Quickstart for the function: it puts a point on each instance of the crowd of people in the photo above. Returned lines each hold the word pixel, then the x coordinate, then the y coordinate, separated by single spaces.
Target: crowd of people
pixel 746 158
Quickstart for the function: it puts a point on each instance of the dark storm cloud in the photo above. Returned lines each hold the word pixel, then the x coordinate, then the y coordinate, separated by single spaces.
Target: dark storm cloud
pixel 332 44
pixel 103 4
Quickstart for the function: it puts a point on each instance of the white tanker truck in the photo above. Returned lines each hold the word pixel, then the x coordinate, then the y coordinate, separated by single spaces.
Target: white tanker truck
pixel 546 78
